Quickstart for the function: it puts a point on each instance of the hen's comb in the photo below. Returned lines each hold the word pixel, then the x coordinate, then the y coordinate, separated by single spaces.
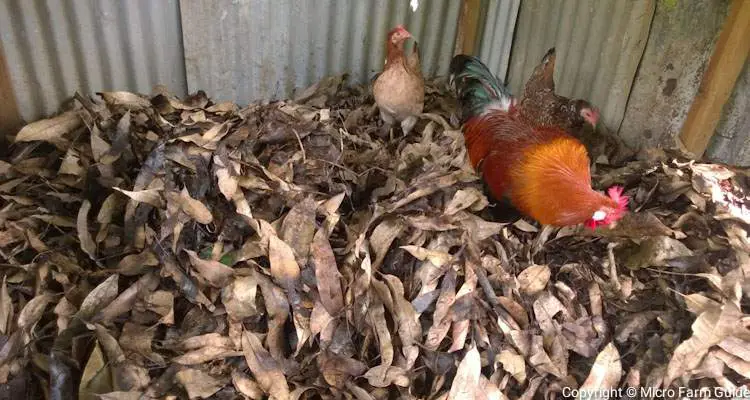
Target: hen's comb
pixel 398 28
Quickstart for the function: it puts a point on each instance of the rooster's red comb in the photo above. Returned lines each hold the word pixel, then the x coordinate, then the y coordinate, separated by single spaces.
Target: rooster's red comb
pixel 615 193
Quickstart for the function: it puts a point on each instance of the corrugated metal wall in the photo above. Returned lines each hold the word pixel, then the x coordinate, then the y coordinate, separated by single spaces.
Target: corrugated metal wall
pixel 599 44
pixel 240 50
pixel 497 35
pixel 244 50
pixel 255 49
pixel 55 47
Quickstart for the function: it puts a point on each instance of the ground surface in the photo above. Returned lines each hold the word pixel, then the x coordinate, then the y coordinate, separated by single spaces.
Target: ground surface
pixel 153 246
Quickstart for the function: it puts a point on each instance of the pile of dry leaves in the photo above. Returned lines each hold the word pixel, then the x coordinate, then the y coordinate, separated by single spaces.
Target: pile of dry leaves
pixel 155 247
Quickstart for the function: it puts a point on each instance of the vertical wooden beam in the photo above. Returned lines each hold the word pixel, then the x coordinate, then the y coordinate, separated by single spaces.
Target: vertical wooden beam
pixel 10 118
pixel 726 63
pixel 467 36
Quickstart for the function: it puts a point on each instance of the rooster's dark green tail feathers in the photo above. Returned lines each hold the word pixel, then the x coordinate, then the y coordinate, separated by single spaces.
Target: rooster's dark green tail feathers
pixel 477 89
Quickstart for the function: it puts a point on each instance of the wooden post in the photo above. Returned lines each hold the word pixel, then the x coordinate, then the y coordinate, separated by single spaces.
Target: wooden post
pixel 10 119
pixel 725 66
pixel 467 35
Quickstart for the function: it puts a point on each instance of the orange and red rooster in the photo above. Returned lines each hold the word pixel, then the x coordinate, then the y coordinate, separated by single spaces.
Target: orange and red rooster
pixel 542 171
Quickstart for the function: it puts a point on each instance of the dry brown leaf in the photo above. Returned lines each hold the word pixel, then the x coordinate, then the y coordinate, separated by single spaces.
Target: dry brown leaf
pixel 737 347
pixel 264 368
pixel 540 360
pixel 71 164
pixel 108 208
pixel 148 196
pixel 32 311
pixel 284 267
pixel 739 365
pixel 470 198
pixel 214 272
pixel 298 228
pixel 59 221
pixel 409 329
pixel 301 327
pixel 438 258
pixel 466 382
pixel 606 372
pixel 99 298
pixel 198 384
pixel 709 329
pixel 96 376
pixel 130 101
pixel 51 130
pixel 533 279
pixel 139 339
pixel 513 363
pixel 489 390
pixel 246 386
pixel 239 298
pixel 320 321
pixel 6 308
pixel 84 236
pixel 161 302
pixel 100 148
pixel 546 306
pixel 277 306
pixel 206 354
pixel 440 321
pixel 228 183
pixel 478 228
pixel 382 237
pixel 135 264
pixel 127 299
pixel 338 370
pixel 525 226
pixel 192 207
pixel 654 251
pixel 383 376
pixel 517 311
pixel 635 323
pixel 376 321
pixel 326 274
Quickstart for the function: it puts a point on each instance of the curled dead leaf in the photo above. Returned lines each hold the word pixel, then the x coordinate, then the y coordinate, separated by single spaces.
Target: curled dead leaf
pixel 533 279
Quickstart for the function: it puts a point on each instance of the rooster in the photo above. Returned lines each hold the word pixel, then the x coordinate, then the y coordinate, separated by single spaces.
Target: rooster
pixel 542 171
pixel 399 89
pixel 543 107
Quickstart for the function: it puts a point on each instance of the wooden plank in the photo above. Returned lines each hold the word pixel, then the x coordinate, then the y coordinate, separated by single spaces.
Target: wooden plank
pixel 10 118
pixel 467 35
pixel 726 63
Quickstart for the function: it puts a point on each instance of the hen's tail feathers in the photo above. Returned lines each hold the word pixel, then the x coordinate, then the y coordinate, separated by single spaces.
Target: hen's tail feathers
pixel 548 68
pixel 549 56
pixel 477 89
pixel 542 78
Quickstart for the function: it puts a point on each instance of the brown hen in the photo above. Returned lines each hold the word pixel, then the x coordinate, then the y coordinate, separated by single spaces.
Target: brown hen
pixel 399 89
pixel 543 107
